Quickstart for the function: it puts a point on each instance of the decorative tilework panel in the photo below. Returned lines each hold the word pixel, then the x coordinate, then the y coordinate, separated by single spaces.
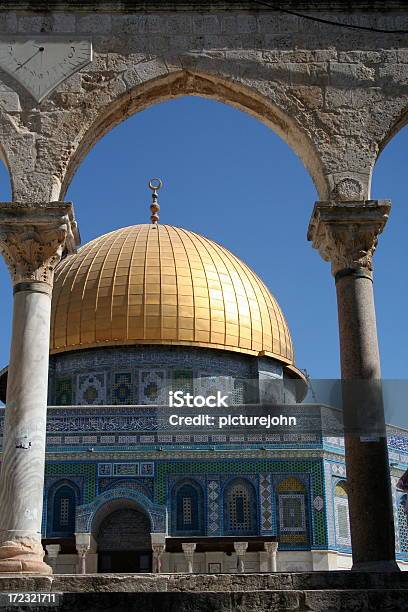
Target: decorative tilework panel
pixel 341 515
pixel 292 515
pixel 152 388
pixel 265 497
pixel 213 512
pixel 67 468
pixel 240 508
pixel 125 469
pixel 122 392
pixel 143 468
pixel 210 385
pixel 64 392
pixel 403 524
pixel 143 485
pixel 183 381
pixel 105 469
pixel 91 389
pixel 147 468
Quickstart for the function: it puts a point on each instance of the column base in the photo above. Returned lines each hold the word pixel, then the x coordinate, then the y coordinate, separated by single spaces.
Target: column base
pixel 376 566
pixel 24 556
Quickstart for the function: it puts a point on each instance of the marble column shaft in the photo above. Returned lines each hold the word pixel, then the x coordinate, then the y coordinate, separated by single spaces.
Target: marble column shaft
pixel 32 240
pixel 346 234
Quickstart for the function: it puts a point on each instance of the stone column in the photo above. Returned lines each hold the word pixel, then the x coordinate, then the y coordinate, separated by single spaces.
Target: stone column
pixel 271 548
pixel 32 240
pixel 346 234
pixel 83 546
pixel 158 547
pixel 53 551
pixel 158 550
pixel 188 549
pixel 240 549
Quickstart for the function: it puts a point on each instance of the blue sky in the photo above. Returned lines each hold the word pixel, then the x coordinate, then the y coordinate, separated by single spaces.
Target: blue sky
pixel 229 177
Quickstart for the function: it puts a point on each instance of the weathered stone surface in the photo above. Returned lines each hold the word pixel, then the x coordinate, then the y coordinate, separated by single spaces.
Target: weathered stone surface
pixel 323 591
pixel 340 92
pixel 280 581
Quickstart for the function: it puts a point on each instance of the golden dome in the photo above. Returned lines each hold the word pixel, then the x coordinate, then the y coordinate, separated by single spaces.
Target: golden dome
pixel 148 284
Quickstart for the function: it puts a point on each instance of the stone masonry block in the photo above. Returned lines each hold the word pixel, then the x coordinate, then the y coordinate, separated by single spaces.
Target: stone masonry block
pixel 96 23
pixel 63 22
pixel 228 24
pixel 151 69
pixel 179 24
pixel 277 23
pixel 8 22
pixel 10 101
pixel 206 24
pixel 350 75
pixel 246 24
pixel 396 74
pixel 34 23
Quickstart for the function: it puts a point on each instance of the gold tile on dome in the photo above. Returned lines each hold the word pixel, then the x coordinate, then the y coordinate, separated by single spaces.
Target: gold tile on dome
pixel 217 326
pixel 186 334
pixel 202 324
pixel 169 299
pixel 152 309
pixel 153 322
pixel 218 338
pixel 183 311
pixel 202 336
pixel 171 311
pixel 168 334
pixel 185 282
pixel 170 322
pixel 153 334
pixel 185 323
pixel 183 300
pixel 202 313
pixel 136 310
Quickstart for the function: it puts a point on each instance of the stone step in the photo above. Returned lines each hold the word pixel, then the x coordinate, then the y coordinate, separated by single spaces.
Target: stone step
pixel 280 581
pixel 361 600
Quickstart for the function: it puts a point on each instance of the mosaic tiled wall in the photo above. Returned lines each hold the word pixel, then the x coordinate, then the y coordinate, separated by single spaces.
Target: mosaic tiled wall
pixel 309 470
pixel 141 375
pixel 71 468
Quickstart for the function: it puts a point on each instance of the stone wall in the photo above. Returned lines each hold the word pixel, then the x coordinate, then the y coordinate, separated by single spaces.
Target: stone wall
pixel 335 95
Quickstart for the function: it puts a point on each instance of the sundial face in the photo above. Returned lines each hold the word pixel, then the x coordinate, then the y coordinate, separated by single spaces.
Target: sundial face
pixel 40 62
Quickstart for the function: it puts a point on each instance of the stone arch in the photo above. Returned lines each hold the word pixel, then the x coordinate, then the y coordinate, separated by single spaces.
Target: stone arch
pixel 122 530
pixel 89 515
pixel 240 507
pixel 341 513
pixel 187 489
pixel 293 520
pixel 394 118
pixel 402 521
pixel 276 114
pixel 58 488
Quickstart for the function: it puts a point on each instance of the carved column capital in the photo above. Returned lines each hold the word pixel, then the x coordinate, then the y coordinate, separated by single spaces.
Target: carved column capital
pixel 33 238
pixel 346 233
pixel 188 550
pixel 271 547
pixel 158 550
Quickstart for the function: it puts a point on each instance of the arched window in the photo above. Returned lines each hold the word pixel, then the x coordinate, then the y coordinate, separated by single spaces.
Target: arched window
pixel 292 516
pixel 341 513
pixel 240 508
pixel 189 514
pixel 64 501
pixel 403 523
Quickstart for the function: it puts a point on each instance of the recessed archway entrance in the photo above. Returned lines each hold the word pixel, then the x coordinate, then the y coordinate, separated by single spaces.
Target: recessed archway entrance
pixel 124 542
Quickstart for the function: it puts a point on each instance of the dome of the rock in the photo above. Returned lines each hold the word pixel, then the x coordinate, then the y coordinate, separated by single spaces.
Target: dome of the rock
pixel 160 284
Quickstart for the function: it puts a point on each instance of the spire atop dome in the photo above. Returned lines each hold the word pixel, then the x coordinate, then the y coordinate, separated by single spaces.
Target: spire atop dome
pixel 155 184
